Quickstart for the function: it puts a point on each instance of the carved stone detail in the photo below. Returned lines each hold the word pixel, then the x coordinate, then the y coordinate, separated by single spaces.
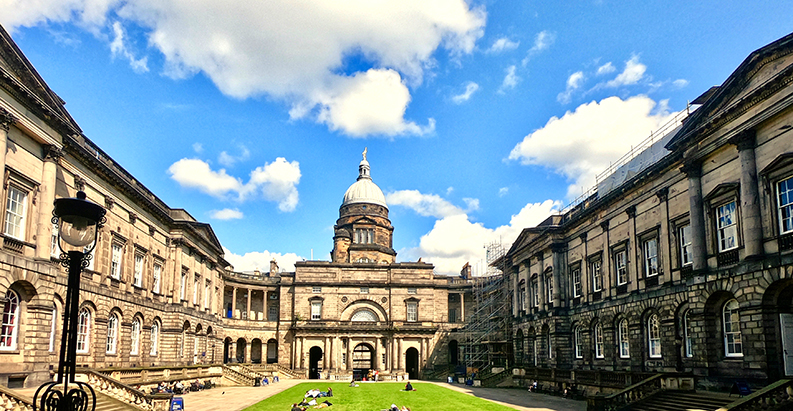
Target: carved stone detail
pixel 109 202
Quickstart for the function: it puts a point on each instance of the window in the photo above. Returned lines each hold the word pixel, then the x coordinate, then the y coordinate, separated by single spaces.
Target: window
pixel 621 266
pixel 535 293
pixel 579 343
pixel 344 358
pixel 549 287
pixel 10 326
pixel 726 227
pixel 16 208
pixel 137 278
pixel 688 349
pixel 412 290
pixel 576 282
pixel 83 330
pixel 684 235
pixel 155 338
pixel 599 353
pixel 182 285
pixel 452 315
pixel 135 337
pixel 112 334
pixel 534 351
pixel 272 313
pixel 550 346
pixel 52 328
pixel 115 264
pixel 412 311
pixel 651 257
pixel 316 310
pixel 55 251
pixel 363 236
pixel 364 290
pixel 624 339
pixel 597 277
pixel 316 290
pixel 785 205
pixel 90 253
pixel 732 330
pixel 654 336
pixel 207 294
pixel 196 285
pixel 522 298
pixel 156 275
pixel 364 315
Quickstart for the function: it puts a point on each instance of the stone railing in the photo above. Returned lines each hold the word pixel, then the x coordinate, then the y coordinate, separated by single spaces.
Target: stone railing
pixel 593 378
pixel 154 375
pixel 124 393
pixel 777 396
pixel 10 401
pixel 237 376
pixel 274 368
pixel 629 395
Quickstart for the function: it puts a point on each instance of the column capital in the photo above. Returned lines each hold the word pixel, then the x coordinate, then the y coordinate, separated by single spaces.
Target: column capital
pixel 631 211
pixel 6 119
pixel 663 194
pixel 604 226
pixel 52 153
pixel 745 140
pixel 692 168
pixel 558 247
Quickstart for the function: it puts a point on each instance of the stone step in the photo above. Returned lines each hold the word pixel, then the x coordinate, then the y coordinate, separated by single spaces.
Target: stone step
pixel 682 401
pixel 107 403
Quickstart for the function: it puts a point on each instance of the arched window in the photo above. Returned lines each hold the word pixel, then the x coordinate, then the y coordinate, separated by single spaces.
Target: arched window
pixel 155 338
pixel 599 352
pixel 135 337
pixel 364 315
pixel 688 348
pixel 654 336
pixel 624 339
pixel 579 343
pixel 732 330
pixel 83 330
pixel 112 334
pixel 10 327
pixel 550 345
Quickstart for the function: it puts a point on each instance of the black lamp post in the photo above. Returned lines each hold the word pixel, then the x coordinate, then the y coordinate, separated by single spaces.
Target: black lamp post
pixel 79 221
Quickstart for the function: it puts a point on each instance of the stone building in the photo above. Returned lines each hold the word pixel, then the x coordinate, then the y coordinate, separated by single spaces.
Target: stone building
pixel 158 292
pixel 682 260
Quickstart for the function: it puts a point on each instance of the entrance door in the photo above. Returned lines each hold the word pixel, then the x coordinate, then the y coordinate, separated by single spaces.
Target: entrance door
pixel 786 325
pixel 412 363
pixel 362 356
pixel 226 350
pixel 314 358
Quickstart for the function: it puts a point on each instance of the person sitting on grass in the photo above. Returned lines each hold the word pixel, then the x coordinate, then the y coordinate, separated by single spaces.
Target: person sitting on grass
pixel 405 408
pixel 324 404
pixel 394 407
pixel 409 387
pixel 329 393
pixel 296 408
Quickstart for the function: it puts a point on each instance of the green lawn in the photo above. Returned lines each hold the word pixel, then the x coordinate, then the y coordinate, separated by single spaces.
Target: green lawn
pixel 379 396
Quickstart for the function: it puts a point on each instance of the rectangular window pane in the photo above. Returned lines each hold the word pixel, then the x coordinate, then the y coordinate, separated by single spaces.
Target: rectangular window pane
pixel 597 277
pixel 15 213
pixel 685 245
pixel 316 310
pixel 138 276
pixel 156 273
pixel 412 312
pixel 577 282
pixel 621 266
pixel 785 204
pixel 115 263
pixel 727 228
pixel 651 257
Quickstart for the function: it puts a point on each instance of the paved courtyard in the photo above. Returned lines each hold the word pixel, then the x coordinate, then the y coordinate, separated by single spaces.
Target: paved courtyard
pixel 237 398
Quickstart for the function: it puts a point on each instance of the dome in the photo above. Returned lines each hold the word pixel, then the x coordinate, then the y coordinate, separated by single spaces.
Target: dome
pixel 364 190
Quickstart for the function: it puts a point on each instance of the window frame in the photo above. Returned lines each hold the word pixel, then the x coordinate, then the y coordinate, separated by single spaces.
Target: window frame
pixel 654 336
pixel 20 215
pixel 183 284
pixel 549 287
pixel 650 262
pixel 111 343
pixel 780 207
pixel 578 343
pixel 624 338
pixel 688 341
pixel 535 289
pixel 411 311
pixel 575 274
pixel 734 318
pixel 84 330
pixel 156 276
pixel 134 336
pixel 9 331
pixel 686 257
pixel 139 264
pixel 316 310
pixel 596 273
pixel 154 339
pixel 621 271
pixel 116 259
pixel 597 332
pixel 721 230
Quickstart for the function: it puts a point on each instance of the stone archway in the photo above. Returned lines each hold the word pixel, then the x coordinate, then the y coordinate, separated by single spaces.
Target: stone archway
pixel 362 360
pixel 314 364
pixel 412 363
pixel 272 351
pixel 256 351
pixel 241 345
pixel 227 350
pixel 778 310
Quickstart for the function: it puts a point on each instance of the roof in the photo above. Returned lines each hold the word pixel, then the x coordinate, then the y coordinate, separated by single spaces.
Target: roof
pixel 364 190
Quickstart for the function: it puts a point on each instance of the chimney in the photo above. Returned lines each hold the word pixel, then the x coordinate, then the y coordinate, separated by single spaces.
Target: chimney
pixel 466 272
pixel 273 267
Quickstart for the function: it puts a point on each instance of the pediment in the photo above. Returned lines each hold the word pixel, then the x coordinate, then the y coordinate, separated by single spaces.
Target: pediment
pixel 364 220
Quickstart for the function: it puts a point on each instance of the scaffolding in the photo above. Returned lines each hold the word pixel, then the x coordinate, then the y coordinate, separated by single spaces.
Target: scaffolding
pixel 487 333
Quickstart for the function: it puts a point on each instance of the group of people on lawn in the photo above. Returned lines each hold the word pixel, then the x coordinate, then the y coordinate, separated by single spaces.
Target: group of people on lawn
pixel 310 400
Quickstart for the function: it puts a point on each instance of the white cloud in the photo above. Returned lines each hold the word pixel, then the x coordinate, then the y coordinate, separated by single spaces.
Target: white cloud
pixel 470 89
pixel 198 147
pixel 455 240
pixel 503 191
pixel 583 142
pixel 293 52
pixel 119 48
pixel 680 83
pixel 261 260
pixel 228 160
pixel 428 205
pixel 503 44
pixel 607 68
pixel 276 181
pixel 574 82
pixel 510 80
pixel 542 41
pixel 226 214
pixel 633 72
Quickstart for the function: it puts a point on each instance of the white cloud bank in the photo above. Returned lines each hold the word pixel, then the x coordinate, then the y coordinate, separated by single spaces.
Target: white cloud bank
pixel 470 89
pixel 261 260
pixel 276 181
pixel 291 51
pixel 583 142
pixel 503 44
pixel 226 214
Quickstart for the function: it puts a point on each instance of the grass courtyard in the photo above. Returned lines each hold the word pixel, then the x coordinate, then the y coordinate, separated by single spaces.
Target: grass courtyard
pixel 379 396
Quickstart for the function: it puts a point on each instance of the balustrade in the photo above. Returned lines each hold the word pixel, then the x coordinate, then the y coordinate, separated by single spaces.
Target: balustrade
pixel 9 401
pixel 777 396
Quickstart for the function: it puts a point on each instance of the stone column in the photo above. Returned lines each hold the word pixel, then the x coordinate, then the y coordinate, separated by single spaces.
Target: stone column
pixel 462 307
pixel 6 120
pixel 751 223
pixel 394 354
pixel 248 305
pixel 664 248
pixel 586 275
pixel 300 353
pixel 557 260
pixel 633 251
pixel 334 353
pixel 349 354
pixel 233 302
pixel 401 355
pixel 326 355
pixel 605 264
pixel 699 252
pixel 46 198
pixel 378 349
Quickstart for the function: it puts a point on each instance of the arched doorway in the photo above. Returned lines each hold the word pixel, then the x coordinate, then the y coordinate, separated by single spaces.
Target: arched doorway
pixel 778 310
pixel 453 352
pixel 314 366
pixel 362 360
pixel 227 350
pixel 256 351
pixel 241 345
pixel 412 363
pixel 272 351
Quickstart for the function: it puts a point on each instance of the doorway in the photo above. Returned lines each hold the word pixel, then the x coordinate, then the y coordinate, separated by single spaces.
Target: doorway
pixel 786 326
pixel 453 352
pixel 362 360
pixel 314 358
pixel 256 351
pixel 412 363
pixel 241 345
pixel 226 350
pixel 272 351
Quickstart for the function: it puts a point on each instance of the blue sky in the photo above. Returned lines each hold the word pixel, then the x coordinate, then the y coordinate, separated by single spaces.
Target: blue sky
pixel 480 118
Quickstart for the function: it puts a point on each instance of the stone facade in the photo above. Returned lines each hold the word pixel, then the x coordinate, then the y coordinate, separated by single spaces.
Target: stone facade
pixel 157 291
pixel 686 265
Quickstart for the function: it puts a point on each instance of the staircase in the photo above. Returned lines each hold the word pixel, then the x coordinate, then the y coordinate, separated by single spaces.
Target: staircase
pixel 107 403
pixel 670 400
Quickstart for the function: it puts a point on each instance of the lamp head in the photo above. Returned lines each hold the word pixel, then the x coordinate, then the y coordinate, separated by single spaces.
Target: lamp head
pixel 78 219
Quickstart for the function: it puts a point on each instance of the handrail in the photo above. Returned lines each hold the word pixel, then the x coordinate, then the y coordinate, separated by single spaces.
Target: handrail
pixel 237 376
pixel 771 397
pixel 11 401
pixel 123 392
pixel 629 395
